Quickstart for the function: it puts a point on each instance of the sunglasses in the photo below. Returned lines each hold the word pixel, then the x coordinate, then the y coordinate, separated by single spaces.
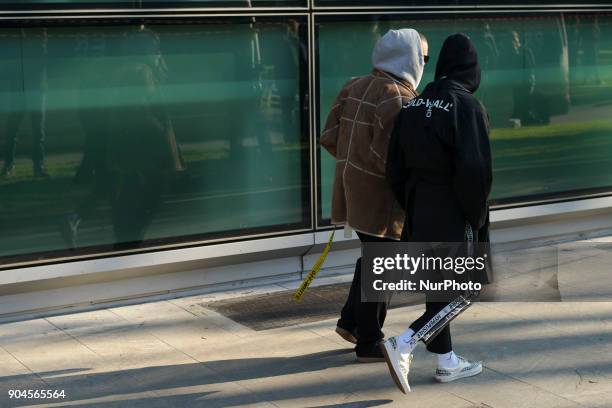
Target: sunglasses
pixel 426 58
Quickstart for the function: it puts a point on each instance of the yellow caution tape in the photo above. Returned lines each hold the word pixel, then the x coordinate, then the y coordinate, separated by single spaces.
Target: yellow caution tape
pixel 313 272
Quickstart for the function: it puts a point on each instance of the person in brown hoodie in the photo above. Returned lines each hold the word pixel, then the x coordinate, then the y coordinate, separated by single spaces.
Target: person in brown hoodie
pixel 357 133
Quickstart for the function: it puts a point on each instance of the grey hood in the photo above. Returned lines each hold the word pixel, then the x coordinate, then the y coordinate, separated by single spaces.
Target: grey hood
pixel 399 52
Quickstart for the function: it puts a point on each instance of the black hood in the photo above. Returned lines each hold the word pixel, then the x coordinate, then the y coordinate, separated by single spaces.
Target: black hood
pixel 458 60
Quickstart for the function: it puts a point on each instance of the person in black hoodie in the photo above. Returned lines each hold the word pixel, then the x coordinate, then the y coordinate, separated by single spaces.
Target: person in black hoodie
pixel 439 167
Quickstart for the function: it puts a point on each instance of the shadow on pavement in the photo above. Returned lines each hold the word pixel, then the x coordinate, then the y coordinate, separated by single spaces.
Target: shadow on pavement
pixel 356 404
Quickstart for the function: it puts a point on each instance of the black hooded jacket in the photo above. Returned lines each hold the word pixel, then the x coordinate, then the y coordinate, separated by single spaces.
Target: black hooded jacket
pixel 439 159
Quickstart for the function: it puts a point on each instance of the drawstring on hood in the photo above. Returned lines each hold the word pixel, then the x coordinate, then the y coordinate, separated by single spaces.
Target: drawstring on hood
pixel 458 60
pixel 399 52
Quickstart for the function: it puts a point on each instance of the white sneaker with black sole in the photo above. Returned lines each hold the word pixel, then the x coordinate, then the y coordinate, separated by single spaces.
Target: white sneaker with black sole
pixel 399 367
pixel 464 369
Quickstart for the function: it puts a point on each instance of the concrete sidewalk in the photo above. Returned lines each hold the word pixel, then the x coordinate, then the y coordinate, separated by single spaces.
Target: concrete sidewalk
pixel 180 353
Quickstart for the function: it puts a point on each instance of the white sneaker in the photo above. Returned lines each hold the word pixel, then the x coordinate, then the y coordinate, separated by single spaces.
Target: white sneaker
pixel 398 367
pixel 464 369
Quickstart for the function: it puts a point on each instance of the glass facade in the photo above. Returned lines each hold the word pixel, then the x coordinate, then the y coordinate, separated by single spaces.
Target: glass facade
pixel 446 3
pixel 547 86
pixel 125 133
pixel 118 134
pixel 136 4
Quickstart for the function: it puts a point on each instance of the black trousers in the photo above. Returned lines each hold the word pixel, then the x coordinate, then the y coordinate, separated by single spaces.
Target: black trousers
pixel 136 197
pixel 366 317
pixel 36 105
pixel 441 344
pixel 38 137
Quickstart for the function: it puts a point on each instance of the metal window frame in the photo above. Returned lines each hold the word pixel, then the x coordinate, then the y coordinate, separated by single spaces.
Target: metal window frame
pixel 316 6
pixel 204 246
pixel 121 7
pixel 296 244
pixel 147 14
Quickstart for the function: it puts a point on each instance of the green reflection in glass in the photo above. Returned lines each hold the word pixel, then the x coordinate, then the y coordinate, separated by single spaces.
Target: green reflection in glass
pixel 547 85
pixel 126 134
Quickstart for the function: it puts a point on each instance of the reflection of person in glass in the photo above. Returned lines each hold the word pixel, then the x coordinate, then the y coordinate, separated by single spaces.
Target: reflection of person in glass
pixel 489 58
pixel 247 126
pixel 142 147
pixel 30 100
pixel 92 96
pixel 590 34
pixel 357 134
pixel 93 115
pixel 439 165
pixel 283 56
pixel 519 60
pixel 574 46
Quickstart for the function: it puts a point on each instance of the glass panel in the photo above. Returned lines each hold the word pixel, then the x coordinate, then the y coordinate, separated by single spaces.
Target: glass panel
pixel 437 3
pixel 547 85
pixel 42 4
pixel 159 133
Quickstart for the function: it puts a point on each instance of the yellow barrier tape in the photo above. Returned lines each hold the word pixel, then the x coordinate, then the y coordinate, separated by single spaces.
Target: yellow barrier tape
pixel 313 272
